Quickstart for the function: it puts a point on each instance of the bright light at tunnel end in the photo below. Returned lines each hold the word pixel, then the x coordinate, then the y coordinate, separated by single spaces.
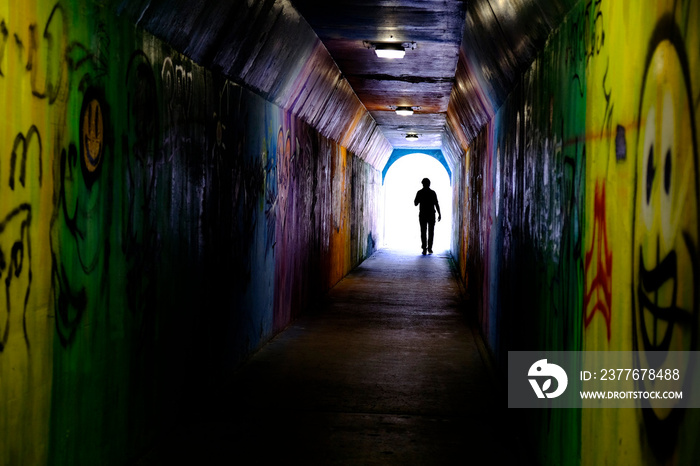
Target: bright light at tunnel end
pixel 402 182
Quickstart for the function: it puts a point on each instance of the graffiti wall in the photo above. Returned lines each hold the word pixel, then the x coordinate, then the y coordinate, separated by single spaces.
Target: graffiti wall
pixel 158 223
pixel 579 213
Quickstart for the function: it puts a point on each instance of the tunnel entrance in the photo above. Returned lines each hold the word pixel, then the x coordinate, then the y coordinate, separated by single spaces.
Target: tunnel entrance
pixel 402 181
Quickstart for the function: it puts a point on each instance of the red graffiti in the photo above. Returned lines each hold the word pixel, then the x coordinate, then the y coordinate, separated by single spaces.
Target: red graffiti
pixel 600 290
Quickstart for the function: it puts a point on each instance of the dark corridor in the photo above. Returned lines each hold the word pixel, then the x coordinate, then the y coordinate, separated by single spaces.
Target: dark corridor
pixel 181 181
pixel 386 371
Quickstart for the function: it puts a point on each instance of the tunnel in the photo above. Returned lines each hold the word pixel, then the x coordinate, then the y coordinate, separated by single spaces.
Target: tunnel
pixel 194 263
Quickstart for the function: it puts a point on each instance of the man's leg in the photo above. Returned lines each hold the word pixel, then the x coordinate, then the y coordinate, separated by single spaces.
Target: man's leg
pixel 423 226
pixel 431 231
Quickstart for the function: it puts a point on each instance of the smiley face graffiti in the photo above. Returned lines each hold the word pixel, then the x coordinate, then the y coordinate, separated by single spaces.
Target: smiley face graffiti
pixel 666 207
pixel 665 230
pixel 92 136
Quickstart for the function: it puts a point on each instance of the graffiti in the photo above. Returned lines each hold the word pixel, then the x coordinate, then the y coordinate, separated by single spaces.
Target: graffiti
pixel 89 248
pixel 666 227
pixel 82 217
pixel 609 105
pixel 640 171
pixel 270 205
pixel 55 37
pixel 284 173
pixel 587 32
pixel 15 227
pixel 15 245
pixel 178 91
pixel 25 141
pixel 665 235
pixel 568 278
pixel 271 200
pixel 50 57
pixel 587 40
pixel 142 199
pixel 597 37
pixel 284 228
pixel 295 215
pixel 236 182
pixel 284 160
pixel 93 65
pixel 177 84
pixel 70 304
pixel 579 84
pixel 599 294
pixel 92 137
pixel 4 33
pixel 248 180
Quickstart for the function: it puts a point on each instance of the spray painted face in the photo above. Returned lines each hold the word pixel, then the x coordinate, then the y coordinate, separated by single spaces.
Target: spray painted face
pixel 665 230
pixel 93 135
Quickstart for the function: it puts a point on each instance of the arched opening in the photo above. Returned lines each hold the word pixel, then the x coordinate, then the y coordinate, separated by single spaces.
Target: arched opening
pixel 402 181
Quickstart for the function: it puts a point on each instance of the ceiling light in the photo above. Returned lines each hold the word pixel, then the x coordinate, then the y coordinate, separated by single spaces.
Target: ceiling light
pixel 412 137
pixel 404 111
pixel 389 50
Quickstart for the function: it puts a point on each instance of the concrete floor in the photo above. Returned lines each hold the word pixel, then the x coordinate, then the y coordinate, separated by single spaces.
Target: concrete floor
pixel 388 371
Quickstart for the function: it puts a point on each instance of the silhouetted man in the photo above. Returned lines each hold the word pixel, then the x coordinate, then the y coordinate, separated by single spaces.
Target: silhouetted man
pixel 428 201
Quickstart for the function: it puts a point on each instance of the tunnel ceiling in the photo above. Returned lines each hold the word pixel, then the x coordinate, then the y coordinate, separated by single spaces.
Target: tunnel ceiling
pixel 423 78
pixel 311 57
pixel 481 45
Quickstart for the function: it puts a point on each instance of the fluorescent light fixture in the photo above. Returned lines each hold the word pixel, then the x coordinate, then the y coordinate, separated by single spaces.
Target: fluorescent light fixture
pixel 412 137
pixel 389 50
pixel 404 111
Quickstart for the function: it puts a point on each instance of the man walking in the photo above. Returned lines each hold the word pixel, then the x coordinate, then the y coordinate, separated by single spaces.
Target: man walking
pixel 428 201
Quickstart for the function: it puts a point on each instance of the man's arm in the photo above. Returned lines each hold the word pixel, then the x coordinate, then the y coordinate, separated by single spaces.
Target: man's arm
pixel 437 206
pixel 417 199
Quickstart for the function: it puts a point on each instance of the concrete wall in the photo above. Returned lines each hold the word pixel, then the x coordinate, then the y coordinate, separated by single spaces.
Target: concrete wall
pixel 584 181
pixel 158 223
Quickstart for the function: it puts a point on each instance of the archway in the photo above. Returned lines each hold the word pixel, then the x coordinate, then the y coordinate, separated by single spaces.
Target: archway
pixel 401 182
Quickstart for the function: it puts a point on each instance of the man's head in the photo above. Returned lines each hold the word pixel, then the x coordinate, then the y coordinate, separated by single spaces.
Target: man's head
pixel 426 182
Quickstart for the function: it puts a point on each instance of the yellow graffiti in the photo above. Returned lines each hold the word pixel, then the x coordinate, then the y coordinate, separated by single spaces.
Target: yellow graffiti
pixel 644 82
